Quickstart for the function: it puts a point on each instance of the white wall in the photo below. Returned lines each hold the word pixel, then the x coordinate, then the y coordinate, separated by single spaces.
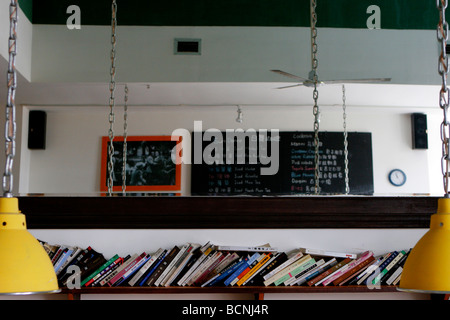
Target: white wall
pixel 70 164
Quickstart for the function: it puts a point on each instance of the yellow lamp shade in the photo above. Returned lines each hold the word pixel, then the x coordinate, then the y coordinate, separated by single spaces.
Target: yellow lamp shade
pixel 427 268
pixel 25 266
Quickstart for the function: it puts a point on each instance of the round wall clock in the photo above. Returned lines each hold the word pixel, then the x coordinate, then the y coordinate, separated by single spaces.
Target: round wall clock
pixel 397 177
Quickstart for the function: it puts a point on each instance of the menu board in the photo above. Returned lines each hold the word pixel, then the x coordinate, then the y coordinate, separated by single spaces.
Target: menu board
pixel 282 164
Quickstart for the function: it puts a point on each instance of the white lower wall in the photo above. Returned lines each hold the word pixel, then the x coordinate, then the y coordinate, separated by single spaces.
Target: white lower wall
pixel 124 241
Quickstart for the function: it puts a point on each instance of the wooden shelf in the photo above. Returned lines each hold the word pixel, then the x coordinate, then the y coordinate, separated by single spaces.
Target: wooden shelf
pixel 258 292
pixel 91 212
pixel 227 212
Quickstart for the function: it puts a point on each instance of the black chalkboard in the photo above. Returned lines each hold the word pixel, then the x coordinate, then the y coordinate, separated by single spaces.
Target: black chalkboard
pixel 237 167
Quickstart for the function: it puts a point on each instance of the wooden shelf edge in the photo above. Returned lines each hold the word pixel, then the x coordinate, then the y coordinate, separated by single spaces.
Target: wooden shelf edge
pixel 227 212
pixel 208 290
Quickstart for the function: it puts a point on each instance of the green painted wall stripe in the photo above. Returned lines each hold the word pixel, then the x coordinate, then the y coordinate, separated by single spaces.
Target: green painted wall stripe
pixel 395 14
pixel 27 8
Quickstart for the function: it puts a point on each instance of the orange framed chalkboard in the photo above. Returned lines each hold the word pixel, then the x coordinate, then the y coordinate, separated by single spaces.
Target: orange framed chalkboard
pixel 152 163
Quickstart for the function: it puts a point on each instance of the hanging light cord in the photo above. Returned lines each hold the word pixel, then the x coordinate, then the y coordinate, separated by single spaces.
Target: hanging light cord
pixel 315 63
pixel 125 134
pixel 10 128
pixel 344 116
pixel 442 34
pixel 112 88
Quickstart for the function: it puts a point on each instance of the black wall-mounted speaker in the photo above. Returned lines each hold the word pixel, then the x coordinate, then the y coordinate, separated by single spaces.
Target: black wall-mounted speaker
pixel 419 131
pixel 37 123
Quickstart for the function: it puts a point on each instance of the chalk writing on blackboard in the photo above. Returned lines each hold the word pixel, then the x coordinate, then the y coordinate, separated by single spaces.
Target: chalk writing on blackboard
pixel 296 168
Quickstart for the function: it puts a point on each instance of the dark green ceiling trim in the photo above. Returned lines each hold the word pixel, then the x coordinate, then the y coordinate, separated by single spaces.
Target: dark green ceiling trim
pixel 395 14
pixel 27 8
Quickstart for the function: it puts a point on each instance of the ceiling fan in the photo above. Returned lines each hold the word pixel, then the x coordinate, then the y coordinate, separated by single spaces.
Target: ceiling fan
pixel 312 80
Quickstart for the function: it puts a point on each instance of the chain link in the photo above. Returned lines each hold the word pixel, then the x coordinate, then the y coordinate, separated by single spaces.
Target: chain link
pixel 344 116
pixel 112 88
pixel 125 135
pixel 316 113
pixel 10 127
pixel 442 35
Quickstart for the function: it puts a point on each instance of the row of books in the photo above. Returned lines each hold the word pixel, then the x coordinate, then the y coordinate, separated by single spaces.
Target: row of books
pixel 216 265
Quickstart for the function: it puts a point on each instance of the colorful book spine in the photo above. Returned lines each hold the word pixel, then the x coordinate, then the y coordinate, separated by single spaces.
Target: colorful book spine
pixel 153 268
pixel 132 270
pixel 106 272
pixel 287 270
pixel 398 271
pixel 170 268
pixel 212 257
pixel 301 277
pixel 145 268
pixel 277 260
pixel 285 264
pixel 347 267
pixel 388 267
pixel 198 259
pixel 110 261
pixel 244 265
pixel 369 271
pixel 353 272
pixel 299 270
pixel 247 270
pixel 256 269
pixel 391 256
pixel 108 280
pixel 227 273
pixel 64 256
pixel 314 273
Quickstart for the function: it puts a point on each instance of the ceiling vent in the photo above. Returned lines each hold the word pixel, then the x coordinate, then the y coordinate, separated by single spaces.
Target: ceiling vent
pixel 187 46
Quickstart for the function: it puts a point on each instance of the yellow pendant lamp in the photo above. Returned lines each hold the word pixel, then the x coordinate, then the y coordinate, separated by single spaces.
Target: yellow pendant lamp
pixel 427 268
pixel 25 266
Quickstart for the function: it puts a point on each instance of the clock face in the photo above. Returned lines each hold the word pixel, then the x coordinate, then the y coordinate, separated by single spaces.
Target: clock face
pixel 397 177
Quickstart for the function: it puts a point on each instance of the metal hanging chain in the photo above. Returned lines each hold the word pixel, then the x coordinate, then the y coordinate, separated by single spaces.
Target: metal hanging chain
pixel 442 35
pixel 344 116
pixel 10 127
pixel 112 88
pixel 315 62
pixel 125 134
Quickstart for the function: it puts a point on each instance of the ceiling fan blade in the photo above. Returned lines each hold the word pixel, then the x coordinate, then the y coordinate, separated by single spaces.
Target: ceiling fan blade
pixel 296 85
pixel 290 75
pixel 370 80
